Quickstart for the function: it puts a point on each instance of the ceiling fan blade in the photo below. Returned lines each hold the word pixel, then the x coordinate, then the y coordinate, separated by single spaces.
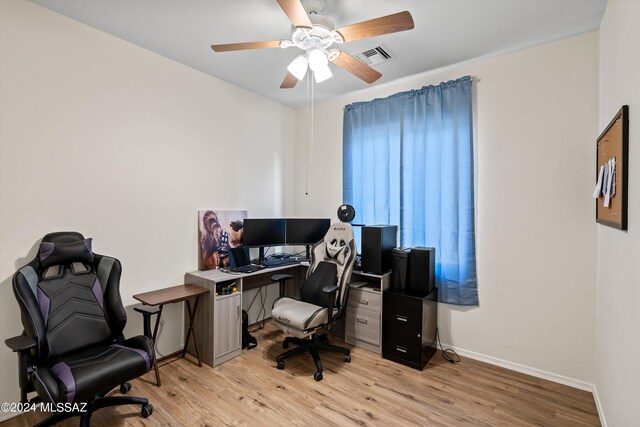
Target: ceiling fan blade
pixel 400 21
pixel 296 13
pixel 355 67
pixel 289 81
pixel 244 46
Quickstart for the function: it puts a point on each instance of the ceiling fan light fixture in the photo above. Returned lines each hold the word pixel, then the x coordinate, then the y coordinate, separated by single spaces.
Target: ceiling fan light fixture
pixel 298 67
pixel 322 74
pixel 315 34
pixel 317 60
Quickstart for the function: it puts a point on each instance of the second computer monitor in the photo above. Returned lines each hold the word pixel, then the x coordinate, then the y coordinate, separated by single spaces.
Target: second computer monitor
pixel 306 231
pixel 264 232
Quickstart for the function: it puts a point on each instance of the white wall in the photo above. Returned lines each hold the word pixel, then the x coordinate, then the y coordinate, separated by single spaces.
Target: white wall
pixel 103 137
pixel 100 136
pixel 618 287
pixel 536 122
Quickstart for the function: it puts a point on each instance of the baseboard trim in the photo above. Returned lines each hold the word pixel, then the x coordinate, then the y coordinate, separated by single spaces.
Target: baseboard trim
pixel 172 350
pixel 550 376
pixel 599 407
pixel 4 416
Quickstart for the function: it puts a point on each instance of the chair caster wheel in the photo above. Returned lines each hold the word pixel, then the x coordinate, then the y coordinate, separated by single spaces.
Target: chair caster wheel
pixel 317 376
pixel 347 358
pixel 147 410
pixel 280 365
pixel 125 388
pixel 285 344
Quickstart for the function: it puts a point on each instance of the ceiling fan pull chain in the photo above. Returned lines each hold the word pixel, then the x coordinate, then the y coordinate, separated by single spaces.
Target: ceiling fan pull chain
pixel 312 123
pixel 306 183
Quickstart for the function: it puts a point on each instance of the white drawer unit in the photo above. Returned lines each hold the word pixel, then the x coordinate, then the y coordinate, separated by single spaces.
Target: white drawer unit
pixel 364 310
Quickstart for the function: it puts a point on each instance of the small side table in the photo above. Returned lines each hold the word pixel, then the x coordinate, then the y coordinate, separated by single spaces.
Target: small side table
pixel 154 301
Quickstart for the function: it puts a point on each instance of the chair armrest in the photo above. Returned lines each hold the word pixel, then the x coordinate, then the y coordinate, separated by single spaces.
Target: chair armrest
pixel 330 289
pixel 21 343
pixel 281 277
pixel 146 309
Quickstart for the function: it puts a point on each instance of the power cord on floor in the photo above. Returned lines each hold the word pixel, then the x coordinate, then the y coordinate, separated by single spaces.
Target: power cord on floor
pixel 263 300
pixel 449 355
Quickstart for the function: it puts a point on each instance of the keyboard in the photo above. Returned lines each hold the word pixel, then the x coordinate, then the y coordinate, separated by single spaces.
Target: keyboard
pixel 247 268
pixel 279 262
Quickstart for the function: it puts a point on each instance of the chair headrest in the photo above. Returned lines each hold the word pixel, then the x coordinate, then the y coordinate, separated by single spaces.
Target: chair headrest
pixel 65 253
pixel 63 237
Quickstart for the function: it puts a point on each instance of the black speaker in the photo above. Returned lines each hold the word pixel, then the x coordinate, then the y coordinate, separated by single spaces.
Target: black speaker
pixel 422 270
pixel 377 243
pixel 400 268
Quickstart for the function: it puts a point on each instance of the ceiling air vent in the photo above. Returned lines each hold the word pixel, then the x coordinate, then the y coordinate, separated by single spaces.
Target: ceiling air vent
pixel 375 55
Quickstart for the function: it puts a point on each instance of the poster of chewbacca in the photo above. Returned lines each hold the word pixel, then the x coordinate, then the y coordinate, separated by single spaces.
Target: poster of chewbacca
pixel 219 231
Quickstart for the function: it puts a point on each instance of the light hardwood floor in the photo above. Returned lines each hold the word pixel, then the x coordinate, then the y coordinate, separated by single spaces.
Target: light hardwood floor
pixel 250 391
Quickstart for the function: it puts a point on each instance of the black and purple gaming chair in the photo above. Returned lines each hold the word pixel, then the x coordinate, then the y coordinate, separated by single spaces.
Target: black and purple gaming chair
pixel 72 349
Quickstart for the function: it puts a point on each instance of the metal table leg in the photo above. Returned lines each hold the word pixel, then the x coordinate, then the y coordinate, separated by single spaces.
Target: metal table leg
pixel 190 331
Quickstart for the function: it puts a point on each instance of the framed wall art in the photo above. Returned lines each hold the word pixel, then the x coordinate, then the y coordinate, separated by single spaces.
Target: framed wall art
pixel 612 172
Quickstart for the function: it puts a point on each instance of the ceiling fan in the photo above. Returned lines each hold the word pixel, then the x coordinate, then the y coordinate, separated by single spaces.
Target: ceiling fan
pixel 315 34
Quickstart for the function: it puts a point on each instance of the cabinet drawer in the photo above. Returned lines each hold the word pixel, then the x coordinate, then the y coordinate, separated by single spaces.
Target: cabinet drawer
pixel 403 346
pixel 362 325
pixel 402 313
pixel 364 298
pixel 402 321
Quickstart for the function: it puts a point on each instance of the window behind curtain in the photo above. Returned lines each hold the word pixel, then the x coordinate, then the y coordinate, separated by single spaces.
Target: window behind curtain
pixel 408 161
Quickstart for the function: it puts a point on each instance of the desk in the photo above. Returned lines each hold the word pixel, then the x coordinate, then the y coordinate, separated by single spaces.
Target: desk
pixel 164 296
pixel 219 320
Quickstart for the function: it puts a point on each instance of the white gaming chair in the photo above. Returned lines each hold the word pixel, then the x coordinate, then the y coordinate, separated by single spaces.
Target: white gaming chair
pixel 323 298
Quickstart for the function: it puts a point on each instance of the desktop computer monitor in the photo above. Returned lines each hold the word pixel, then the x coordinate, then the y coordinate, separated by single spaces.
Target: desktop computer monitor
pixel 306 231
pixel 260 232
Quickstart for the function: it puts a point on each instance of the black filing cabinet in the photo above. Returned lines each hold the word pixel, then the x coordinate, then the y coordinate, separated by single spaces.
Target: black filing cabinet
pixel 409 320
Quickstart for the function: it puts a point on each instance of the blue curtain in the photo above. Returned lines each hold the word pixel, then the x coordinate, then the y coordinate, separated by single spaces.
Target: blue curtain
pixel 408 160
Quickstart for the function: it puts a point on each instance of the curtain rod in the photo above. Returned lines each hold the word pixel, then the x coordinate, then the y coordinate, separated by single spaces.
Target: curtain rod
pixel 471 78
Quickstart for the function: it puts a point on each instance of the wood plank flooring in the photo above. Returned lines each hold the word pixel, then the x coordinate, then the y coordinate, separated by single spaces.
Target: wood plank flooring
pixel 250 391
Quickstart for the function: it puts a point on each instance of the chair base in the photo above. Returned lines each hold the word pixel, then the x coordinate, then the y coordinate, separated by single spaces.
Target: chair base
pixel 98 403
pixel 313 346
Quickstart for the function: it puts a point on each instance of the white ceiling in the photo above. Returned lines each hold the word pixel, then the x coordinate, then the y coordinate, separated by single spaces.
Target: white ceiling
pixel 446 32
